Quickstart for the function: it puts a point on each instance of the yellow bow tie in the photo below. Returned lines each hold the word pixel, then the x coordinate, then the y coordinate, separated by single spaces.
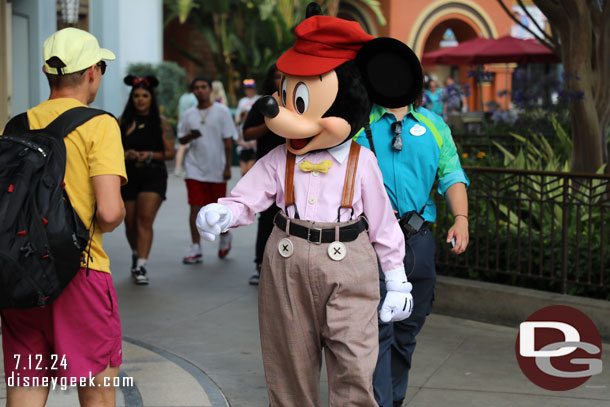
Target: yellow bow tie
pixel 306 166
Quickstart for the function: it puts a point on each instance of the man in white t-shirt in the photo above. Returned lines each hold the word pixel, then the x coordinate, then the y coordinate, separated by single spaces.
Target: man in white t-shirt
pixel 245 103
pixel 186 101
pixel 207 164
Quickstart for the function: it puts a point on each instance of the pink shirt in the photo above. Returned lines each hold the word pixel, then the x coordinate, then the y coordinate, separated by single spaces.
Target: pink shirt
pixel 318 195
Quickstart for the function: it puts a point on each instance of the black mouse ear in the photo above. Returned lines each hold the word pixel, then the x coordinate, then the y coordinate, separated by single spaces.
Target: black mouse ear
pixel 129 80
pixel 391 72
pixel 153 82
pixel 313 9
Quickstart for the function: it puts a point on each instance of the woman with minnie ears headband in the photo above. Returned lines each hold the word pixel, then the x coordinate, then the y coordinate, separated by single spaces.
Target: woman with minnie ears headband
pixel 148 142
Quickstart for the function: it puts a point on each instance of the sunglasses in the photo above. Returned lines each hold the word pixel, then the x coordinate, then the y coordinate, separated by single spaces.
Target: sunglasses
pixel 102 65
pixel 397 140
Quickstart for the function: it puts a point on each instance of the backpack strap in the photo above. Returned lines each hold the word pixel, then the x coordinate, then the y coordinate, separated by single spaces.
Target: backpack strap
pixel 68 121
pixel 369 137
pixel 18 124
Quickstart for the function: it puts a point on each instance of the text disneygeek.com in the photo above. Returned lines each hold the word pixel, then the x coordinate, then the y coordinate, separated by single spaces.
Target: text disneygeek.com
pixel 56 363
pixel 63 383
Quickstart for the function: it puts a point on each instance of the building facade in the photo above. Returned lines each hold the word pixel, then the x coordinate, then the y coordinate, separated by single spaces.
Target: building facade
pixel 427 25
pixel 424 25
pixel 132 29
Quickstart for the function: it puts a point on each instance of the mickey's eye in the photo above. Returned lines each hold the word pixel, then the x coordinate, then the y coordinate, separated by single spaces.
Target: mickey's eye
pixel 284 92
pixel 301 98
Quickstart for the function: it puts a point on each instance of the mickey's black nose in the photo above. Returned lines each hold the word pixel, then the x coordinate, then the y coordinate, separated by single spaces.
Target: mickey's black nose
pixel 269 107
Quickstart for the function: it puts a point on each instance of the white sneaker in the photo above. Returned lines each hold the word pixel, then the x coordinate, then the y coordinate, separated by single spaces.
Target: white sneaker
pixel 194 255
pixel 225 244
pixel 255 277
pixel 139 276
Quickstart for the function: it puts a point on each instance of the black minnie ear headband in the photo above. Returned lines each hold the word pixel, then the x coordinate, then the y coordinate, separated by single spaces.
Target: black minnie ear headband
pixel 148 82
pixel 391 71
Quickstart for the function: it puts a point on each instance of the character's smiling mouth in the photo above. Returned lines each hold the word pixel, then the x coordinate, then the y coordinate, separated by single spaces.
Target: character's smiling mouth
pixel 299 143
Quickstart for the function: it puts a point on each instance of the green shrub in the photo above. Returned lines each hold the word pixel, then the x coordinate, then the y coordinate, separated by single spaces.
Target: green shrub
pixel 522 226
pixel 536 152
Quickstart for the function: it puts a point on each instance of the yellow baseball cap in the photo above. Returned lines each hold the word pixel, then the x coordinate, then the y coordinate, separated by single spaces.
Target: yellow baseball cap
pixel 77 49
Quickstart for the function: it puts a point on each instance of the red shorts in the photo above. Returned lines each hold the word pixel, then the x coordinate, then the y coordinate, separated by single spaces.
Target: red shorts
pixel 77 335
pixel 203 193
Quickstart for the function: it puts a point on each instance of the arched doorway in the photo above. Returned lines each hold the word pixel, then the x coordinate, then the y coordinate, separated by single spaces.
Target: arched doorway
pixel 465 11
pixel 467 20
pixel 461 29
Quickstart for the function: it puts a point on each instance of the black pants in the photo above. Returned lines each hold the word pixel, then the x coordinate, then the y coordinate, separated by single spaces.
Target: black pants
pixel 397 339
pixel 265 226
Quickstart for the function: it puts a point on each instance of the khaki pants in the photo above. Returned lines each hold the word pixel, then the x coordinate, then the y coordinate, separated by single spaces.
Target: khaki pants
pixel 309 302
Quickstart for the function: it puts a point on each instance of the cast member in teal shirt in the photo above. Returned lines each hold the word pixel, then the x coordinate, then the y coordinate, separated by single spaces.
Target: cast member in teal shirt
pixel 427 154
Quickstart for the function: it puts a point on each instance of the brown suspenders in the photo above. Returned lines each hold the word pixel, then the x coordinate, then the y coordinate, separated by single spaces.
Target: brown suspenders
pixel 350 175
pixel 289 183
pixel 348 185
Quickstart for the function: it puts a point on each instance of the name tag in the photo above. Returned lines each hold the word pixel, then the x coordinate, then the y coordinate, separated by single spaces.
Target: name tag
pixel 417 130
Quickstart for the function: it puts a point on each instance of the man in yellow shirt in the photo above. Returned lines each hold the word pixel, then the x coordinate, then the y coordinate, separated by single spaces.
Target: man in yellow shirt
pixel 79 334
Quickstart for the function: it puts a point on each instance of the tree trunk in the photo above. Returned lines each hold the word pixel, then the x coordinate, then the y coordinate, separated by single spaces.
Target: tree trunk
pixel 601 60
pixel 576 40
pixel 585 49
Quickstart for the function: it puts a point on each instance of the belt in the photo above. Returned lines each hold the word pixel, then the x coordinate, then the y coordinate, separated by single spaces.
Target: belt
pixel 319 236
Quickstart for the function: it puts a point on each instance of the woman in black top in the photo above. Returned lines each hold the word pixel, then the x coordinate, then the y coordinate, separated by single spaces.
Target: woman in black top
pixel 148 142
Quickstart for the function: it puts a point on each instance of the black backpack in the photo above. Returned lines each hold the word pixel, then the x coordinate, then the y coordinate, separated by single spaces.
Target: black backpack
pixel 42 239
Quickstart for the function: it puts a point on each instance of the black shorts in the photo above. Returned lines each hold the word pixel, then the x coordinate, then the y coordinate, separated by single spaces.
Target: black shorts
pixel 151 178
pixel 247 154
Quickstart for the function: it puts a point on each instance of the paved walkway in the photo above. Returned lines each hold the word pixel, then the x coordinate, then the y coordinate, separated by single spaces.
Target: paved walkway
pixel 141 385
pixel 191 336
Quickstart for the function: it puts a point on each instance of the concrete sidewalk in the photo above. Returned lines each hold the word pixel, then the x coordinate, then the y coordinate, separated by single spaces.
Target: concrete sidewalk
pixel 191 336
pixel 139 383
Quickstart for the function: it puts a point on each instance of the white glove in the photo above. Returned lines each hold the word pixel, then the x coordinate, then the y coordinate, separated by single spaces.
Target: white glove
pixel 212 220
pixel 398 303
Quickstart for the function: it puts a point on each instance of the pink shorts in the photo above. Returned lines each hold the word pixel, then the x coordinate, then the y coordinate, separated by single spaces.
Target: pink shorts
pixel 77 335
pixel 203 193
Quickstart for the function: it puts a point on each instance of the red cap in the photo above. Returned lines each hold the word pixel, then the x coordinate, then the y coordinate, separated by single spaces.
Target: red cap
pixel 323 43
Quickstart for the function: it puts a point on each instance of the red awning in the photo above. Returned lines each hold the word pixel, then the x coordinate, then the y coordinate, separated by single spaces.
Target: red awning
pixel 488 51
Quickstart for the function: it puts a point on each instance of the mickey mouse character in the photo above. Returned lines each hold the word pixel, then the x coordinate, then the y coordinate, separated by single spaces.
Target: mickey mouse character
pixel 319 287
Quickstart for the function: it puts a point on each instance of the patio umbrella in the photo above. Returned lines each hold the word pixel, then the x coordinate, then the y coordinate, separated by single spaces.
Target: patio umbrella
pixel 449 56
pixel 488 51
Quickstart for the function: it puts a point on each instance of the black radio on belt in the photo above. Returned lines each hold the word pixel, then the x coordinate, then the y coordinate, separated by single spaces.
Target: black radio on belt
pixel 411 223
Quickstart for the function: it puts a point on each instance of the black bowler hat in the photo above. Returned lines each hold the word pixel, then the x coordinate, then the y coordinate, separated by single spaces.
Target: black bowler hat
pixel 391 71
